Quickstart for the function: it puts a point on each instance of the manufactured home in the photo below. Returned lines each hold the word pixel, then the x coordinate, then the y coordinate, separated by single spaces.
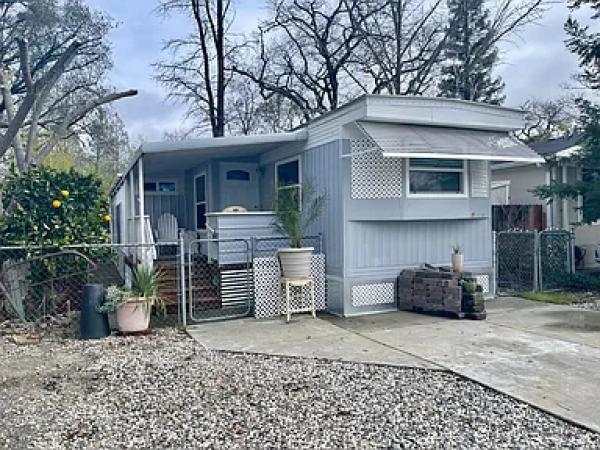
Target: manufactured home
pixel 405 179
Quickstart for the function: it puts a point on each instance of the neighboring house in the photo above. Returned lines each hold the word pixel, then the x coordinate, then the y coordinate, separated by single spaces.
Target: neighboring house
pixel 512 184
pixel 406 178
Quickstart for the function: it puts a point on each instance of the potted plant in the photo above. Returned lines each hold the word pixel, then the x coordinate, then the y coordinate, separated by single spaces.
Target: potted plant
pixel 296 208
pixel 132 307
pixel 458 259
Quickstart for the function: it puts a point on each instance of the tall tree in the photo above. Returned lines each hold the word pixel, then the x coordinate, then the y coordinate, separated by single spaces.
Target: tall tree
pixel 549 118
pixel 470 55
pixel 53 59
pixel 197 71
pixel 402 43
pixel 304 50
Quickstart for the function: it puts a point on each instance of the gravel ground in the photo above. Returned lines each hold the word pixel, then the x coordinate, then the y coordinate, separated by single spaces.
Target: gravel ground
pixel 166 391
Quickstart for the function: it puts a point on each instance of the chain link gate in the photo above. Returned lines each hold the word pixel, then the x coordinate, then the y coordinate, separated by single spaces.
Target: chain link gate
pixel 556 258
pixel 516 261
pixel 532 261
pixel 219 279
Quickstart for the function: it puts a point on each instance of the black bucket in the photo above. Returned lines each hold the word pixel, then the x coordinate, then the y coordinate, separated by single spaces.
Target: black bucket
pixel 94 324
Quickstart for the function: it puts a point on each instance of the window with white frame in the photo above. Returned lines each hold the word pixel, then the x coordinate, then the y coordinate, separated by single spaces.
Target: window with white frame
pixel 200 200
pixel 160 187
pixel 288 175
pixel 436 177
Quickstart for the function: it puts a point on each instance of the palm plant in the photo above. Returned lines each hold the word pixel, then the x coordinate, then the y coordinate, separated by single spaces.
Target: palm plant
pixel 296 209
pixel 146 284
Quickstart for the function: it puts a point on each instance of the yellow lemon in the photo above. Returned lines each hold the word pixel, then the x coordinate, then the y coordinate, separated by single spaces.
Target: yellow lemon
pixel 106 217
pixel 64 193
pixel 56 203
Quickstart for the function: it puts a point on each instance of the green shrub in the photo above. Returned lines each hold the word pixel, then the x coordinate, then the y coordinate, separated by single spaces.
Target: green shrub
pixel 469 287
pixel 581 281
pixel 53 208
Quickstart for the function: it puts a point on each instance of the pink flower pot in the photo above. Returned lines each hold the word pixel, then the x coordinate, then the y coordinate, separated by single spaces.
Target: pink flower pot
pixel 133 316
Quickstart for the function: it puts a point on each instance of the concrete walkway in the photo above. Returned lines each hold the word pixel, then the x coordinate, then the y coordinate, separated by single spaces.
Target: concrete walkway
pixel 546 355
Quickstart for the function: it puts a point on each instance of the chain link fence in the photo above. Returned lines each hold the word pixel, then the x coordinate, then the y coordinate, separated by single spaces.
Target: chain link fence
pixel 532 261
pixel 36 282
pixel 203 280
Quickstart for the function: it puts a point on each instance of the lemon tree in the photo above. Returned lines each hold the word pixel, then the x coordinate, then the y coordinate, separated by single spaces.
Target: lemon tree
pixel 53 208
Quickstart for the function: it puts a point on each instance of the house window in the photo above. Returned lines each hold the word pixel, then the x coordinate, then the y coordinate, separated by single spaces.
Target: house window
pixel 200 200
pixel 432 177
pixel 167 186
pixel 160 187
pixel 288 177
pixel 238 175
pixel 150 186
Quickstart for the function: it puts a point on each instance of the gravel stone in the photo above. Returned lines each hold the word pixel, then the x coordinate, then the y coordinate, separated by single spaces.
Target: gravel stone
pixel 166 391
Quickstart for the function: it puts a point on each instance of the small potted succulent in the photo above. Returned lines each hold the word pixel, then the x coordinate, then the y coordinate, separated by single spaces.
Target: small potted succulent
pixel 296 209
pixel 458 259
pixel 132 307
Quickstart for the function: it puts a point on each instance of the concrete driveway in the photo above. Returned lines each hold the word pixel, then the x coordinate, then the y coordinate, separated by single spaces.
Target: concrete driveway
pixel 546 355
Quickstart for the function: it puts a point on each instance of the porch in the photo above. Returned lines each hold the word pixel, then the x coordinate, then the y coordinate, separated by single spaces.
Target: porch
pixel 203 189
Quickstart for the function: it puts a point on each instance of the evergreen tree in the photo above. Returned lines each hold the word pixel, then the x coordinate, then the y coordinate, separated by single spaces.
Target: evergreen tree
pixel 586 45
pixel 470 55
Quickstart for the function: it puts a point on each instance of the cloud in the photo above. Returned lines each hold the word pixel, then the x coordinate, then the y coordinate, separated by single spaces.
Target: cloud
pixel 148 115
pixel 537 63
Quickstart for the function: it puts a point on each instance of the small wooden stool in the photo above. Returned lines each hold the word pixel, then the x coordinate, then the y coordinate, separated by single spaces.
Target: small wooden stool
pixel 285 287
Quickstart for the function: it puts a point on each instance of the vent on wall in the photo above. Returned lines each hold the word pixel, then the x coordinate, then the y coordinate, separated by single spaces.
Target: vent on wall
pixel 373 176
pixel 373 294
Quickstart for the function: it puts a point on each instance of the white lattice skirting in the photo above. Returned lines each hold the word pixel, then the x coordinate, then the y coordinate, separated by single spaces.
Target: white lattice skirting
pixel 266 287
pixel 373 294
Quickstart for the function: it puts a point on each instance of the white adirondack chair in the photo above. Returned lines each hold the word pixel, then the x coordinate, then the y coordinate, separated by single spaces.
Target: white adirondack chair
pixel 167 228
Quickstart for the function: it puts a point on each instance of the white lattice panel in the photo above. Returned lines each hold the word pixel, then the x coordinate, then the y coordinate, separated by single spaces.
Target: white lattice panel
pixel 484 282
pixel 373 294
pixel 266 287
pixel 374 176
pixel 480 179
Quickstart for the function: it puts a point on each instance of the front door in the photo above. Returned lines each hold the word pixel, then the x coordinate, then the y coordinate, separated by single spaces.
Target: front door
pixel 239 185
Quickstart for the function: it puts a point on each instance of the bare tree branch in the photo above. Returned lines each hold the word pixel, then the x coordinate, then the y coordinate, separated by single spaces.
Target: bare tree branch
pixel 63 129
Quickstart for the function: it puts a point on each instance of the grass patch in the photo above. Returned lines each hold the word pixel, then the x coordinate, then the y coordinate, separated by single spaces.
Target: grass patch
pixel 560 297
pixel 556 297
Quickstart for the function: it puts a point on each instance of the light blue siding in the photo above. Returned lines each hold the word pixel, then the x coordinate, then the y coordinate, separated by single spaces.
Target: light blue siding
pixel 384 248
pixel 157 205
pixel 322 168
pixel 267 186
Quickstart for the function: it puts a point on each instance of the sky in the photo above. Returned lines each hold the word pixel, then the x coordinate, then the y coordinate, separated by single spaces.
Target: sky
pixel 535 64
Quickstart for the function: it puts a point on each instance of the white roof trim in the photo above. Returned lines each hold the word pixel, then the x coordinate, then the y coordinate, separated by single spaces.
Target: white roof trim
pixel 568 152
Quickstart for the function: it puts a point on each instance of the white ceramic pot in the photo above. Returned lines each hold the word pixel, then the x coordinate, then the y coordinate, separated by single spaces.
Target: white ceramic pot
pixel 295 262
pixel 458 262
pixel 133 316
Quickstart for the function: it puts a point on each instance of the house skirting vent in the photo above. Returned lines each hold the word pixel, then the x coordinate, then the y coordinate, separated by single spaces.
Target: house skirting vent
pixel 373 294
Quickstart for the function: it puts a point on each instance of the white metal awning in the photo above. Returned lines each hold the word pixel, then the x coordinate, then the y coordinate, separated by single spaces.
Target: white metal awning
pixel 415 141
